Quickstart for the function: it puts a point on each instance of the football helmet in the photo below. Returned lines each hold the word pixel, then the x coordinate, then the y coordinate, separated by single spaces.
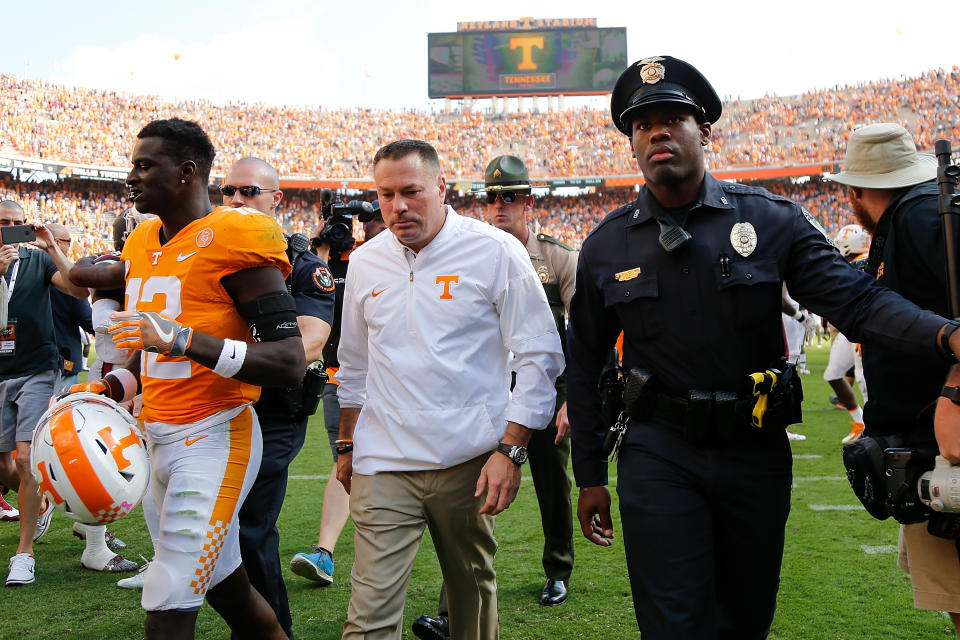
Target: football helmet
pixel 89 457
pixel 852 240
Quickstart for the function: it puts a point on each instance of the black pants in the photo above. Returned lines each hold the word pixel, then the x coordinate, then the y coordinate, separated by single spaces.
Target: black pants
pixel 548 466
pixel 703 531
pixel 259 538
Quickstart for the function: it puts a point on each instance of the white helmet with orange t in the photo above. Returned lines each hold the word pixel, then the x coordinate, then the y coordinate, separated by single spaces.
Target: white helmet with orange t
pixel 88 457
pixel 852 240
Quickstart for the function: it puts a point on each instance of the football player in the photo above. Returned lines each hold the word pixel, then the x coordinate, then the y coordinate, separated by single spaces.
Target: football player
pixel 854 243
pixel 209 319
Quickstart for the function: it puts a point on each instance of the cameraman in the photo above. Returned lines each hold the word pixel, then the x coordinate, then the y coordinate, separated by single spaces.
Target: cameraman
pixel 333 244
pixel 893 192
pixel 253 183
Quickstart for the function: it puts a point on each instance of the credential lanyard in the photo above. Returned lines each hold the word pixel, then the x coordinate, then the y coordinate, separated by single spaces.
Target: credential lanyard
pixel 13 278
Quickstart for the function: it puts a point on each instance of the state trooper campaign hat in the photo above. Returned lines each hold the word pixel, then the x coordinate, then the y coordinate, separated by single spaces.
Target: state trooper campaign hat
pixel 661 79
pixel 884 156
pixel 506 173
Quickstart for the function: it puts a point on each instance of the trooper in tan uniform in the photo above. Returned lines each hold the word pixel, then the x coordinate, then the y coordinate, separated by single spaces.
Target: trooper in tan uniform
pixel 509 205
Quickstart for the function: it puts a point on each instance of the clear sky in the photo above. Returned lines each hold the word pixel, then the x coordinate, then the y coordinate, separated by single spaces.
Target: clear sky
pixel 374 53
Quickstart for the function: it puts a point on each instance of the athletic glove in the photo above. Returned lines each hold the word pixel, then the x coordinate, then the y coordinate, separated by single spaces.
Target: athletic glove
pixel 120 385
pixel 809 322
pixel 151 332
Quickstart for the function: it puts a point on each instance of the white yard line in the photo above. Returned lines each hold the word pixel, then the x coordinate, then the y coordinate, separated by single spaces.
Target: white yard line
pixel 872 550
pixel 836 507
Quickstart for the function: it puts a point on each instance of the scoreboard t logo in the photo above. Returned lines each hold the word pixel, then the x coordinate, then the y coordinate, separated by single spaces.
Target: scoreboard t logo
pixel 526 44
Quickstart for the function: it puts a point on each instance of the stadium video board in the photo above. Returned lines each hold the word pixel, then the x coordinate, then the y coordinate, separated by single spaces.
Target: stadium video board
pixel 576 61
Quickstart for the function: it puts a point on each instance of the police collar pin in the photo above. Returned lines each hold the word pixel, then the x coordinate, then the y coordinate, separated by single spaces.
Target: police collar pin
pixel 743 237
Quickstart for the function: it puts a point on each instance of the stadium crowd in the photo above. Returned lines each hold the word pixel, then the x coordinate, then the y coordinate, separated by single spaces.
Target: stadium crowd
pixel 87 207
pixel 88 126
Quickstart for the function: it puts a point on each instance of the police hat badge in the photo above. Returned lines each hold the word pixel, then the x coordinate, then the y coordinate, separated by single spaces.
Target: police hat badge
pixel 743 237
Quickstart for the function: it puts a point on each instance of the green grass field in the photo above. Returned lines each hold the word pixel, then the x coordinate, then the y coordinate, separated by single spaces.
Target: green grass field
pixel 839 580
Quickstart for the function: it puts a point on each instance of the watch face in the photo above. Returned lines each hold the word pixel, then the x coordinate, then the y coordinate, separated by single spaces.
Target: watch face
pixel 519 455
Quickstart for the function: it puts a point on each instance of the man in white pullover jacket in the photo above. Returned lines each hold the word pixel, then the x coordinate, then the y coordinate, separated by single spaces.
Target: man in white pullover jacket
pixel 431 312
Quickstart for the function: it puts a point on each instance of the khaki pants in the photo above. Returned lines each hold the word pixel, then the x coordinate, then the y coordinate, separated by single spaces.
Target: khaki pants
pixel 933 568
pixel 390 511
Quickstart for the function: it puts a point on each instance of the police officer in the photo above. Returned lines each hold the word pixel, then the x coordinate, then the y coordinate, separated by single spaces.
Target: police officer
pixel 509 204
pixel 251 182
pixel 691 272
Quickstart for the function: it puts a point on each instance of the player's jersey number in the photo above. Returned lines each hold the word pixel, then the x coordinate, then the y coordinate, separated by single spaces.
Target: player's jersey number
pixel 160 294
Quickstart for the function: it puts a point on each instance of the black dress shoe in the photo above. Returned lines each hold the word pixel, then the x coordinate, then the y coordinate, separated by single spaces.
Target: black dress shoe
pixel 554 593
pixel 427 628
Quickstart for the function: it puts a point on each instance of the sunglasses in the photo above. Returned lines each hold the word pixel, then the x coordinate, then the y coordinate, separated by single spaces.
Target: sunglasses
pixel 508 197
pixel 248 191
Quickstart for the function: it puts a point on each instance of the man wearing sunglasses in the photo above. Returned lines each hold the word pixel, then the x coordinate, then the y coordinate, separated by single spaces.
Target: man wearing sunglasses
pixel 253 183
pixel 509 207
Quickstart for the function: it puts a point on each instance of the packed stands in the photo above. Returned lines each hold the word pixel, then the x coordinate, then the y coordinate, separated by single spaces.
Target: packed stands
pixel 44 121
pixel 87 208
pixel 48 122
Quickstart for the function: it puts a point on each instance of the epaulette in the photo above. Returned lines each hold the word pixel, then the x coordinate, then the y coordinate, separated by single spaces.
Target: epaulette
pixel 542 237
pixel 746 189
pixel 613 215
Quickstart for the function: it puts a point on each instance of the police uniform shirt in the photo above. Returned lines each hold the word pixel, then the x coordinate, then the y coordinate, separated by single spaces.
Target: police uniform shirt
pixel 312 287
pixel 556 265
pixel 705 317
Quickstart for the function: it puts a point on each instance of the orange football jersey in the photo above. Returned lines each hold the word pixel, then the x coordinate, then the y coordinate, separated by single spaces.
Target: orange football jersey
pixel 181 280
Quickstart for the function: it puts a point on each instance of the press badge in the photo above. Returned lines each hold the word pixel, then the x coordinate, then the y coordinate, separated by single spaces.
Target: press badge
pixel 8 338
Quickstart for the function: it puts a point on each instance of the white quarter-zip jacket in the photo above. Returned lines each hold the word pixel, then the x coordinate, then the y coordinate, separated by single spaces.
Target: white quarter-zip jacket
pixel 424 346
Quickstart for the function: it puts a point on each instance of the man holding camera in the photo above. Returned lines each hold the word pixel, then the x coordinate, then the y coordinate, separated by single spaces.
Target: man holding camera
pixel 283 413
pixel 332 246
pixel 893 192
pixel 691 272
pixel 29 369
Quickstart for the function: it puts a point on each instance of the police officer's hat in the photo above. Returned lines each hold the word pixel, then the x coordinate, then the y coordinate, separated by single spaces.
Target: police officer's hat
pixel 662 79
pixel 506 173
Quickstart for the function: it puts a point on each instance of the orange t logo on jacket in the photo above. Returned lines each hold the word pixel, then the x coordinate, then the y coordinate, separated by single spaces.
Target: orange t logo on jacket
pixel 446 280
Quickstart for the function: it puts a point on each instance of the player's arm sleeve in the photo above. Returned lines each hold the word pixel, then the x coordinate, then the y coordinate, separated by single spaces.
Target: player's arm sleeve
pixel 353 350
pixel 528 330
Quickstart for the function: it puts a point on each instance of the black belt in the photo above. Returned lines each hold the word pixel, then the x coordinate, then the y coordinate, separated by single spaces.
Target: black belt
pixel 707 418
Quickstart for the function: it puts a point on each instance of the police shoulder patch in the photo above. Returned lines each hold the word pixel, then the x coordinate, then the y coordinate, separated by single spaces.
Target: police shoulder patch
pixel 323 279
pixel 816 225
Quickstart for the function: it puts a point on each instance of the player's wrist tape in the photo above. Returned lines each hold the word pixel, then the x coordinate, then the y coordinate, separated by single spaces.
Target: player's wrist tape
pixel 122 384
pixel 231 358
pixel 799 315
